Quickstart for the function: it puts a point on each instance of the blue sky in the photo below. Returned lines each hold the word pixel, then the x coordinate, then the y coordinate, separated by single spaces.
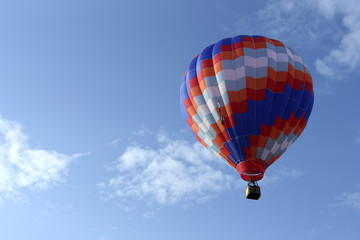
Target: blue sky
pixel 93 144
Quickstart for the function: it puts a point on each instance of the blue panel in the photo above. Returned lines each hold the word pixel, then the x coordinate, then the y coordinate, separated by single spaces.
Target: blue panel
pixel 249 117
pixel 198 66
pixel 244 141
pixel 207 53
pixel 238 129
pixel 232 155
pixel 187 82
pixel 277 108
pixel 293 102
pixel 235 140
pixel 261 115
pixel 183 96
pixel 309 109
pixel 292 106
pixel 192 64
pixel 299 112
pixel 306 99
pixel 307 96
pixel 297 94
pixel 287 89
pixel 239 38
pixel 217 47
pixel 183 92
pixel 257 36
pixel 234 148
pixel 183 111
pixel 191 74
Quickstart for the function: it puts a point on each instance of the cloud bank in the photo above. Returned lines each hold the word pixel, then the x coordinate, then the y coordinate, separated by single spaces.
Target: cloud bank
pixel 350 199
pixel 175 171
pixel 347 53
pixel 22 167
pixel 331 27
pixel 280 174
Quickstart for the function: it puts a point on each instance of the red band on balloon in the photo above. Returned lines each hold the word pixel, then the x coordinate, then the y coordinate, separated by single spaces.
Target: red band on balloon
pixel 252 169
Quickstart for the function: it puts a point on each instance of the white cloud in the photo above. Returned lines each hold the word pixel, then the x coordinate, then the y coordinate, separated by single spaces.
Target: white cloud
pixel 22 167
pixel 320 230
pixel 351 200
pixel 162 136
pixel 279 17
pixel 347 53
pixel 141 132
pixel 280 173
pixel 148 215
pixel 113 142
pixel 174 172
pixel 330 27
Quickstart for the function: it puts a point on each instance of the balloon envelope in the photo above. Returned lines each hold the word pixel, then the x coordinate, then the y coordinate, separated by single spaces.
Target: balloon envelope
pixel 247 99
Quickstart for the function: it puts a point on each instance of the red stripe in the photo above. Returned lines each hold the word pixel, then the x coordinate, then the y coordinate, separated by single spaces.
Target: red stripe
pixel 239 107
pixel 207 63
pixel 226 48
pixel 193 82
pixel 238 45
pixel 279 87
pixel 265 130
pixel 254 140
pixel 256 95
pixel 190 121
pixel 187 103
pixel 217 58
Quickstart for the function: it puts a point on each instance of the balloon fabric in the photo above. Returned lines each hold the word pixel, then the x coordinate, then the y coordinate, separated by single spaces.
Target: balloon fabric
pixel 247 99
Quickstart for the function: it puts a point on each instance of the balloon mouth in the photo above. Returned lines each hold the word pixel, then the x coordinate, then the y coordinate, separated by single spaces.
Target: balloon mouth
pixel 252 170
pixel 251 174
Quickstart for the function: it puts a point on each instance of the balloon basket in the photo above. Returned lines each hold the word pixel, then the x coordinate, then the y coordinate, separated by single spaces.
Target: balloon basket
pixel 253 191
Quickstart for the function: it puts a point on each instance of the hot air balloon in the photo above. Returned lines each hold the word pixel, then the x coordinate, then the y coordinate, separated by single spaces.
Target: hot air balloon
pixel 247 99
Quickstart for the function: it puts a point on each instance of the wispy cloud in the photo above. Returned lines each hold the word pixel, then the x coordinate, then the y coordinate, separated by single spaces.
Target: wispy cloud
pixel 280 173
pixel 148 215
pixel 22 167
pixel 175 171
pixel 350 199
pixel 347 53
pixel 162 136
pixel 281 18
pixel 321 229
pixel 113 142
pixel 329 26
pixel 141 132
